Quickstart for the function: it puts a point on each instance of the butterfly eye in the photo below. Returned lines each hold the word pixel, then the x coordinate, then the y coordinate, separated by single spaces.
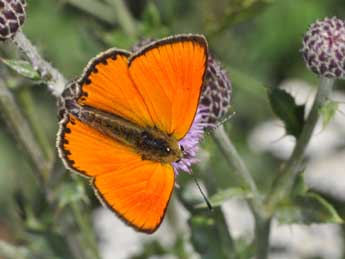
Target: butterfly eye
pixel 168 149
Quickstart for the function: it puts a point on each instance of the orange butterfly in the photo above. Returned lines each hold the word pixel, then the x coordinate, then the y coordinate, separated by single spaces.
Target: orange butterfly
pixel 123 119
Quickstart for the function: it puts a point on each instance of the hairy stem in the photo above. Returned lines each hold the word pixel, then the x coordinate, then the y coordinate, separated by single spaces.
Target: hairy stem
pixel 234 159
pixel 283 184
pixel 54 79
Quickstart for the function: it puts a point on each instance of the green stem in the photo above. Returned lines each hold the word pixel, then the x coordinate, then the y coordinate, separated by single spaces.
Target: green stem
pixel 234 159
pixel 262 222
pixel 283 184
pixel 262 234
pixel 26 101
pixel 22 132
pixel 54 79
pixel 90 243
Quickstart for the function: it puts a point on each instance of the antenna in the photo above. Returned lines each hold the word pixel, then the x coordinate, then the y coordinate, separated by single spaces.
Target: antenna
pixel 209 205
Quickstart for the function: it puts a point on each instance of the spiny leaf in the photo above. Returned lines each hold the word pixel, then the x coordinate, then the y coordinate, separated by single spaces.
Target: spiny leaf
pixel 23 68
pixel 285 107
pixel 308 209
pixel 328 111
pixel 220 197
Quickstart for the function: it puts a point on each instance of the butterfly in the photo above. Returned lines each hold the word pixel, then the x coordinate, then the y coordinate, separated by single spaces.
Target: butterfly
pixel 122 120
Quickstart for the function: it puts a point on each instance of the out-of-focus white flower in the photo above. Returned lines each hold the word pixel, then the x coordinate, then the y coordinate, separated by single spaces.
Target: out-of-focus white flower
pixel 328 175
pixel 287 241
pixel 116 240
pixel 299 241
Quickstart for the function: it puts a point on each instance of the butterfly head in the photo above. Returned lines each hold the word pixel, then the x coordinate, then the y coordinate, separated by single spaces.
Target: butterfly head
pixel 158 146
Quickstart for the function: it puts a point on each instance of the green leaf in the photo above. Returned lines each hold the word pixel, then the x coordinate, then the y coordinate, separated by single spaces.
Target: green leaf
pixel 328 111
pixel 284 106
pixel 308 209
pixel 23 68
pixel 220 197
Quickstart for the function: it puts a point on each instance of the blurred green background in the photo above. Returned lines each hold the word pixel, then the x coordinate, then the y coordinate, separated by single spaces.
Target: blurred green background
pixel 257 42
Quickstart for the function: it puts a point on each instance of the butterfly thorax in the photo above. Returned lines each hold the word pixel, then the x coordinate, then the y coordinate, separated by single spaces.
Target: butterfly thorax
pixel 151 143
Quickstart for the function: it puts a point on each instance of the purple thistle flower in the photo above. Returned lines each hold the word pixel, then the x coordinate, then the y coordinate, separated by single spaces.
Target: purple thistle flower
pixel 12 17
pixel 324 47
pixel 214 104
pixel 190 142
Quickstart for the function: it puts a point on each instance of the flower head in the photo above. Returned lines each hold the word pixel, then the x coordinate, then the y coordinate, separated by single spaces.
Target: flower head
pixel 190 143
pixel 324 48
pixel 216 94
pixel 213 105
pixel 12 17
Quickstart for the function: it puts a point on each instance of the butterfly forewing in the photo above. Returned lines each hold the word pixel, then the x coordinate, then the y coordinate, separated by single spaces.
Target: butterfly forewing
pixel 106 85
pixel 169 76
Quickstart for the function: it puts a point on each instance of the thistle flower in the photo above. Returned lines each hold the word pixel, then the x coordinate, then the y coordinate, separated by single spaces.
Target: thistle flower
pixel 190 143
pixel 213 105
pixel 12 17
pixel 324 48
pixel 216 94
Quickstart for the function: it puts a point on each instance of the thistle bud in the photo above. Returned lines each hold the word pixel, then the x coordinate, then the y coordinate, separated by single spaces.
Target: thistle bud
pixel 12 17
pixel 324 48
pixel 216 94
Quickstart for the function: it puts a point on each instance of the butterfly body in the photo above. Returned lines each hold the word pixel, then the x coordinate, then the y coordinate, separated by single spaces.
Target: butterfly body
pixel 122 121
pixel 151 143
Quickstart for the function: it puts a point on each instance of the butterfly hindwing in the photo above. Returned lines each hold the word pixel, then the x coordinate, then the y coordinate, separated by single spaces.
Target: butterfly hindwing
pixel 88 151
pixel 138 194
pixel 137 190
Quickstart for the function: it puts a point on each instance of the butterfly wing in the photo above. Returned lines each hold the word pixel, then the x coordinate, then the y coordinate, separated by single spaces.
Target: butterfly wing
pixel 106 85
pixel 156 87
pixel 136 190
pixel 169 76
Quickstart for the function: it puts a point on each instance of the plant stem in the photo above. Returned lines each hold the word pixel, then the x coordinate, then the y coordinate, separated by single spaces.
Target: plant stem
pixel 54 79
pixel 262 234
pixel 284 182
pixel 26 101
pixel 88 237
pixel 22 131
pixel 234 159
